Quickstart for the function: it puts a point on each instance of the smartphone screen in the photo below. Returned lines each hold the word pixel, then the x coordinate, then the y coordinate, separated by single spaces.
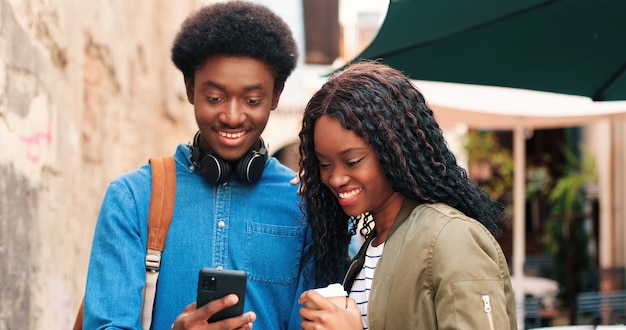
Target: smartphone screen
pixel 216 283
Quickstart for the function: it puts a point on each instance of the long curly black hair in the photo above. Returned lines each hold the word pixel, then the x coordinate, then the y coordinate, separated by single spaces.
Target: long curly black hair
pixel 383 107
pixel 235 28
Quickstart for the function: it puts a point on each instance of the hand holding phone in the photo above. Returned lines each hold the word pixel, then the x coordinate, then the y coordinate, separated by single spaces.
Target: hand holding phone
pixel 215 283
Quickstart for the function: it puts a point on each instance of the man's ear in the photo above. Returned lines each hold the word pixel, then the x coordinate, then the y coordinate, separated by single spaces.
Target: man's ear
pixel 189 89
pixel 276 97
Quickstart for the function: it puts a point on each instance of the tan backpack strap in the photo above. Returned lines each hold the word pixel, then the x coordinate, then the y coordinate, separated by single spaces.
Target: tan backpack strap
pixel 78 323
pixel 161 201
pixel 159 218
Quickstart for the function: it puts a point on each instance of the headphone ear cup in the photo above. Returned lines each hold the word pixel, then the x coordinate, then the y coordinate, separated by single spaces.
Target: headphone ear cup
pixel 250 167
pixel 214 169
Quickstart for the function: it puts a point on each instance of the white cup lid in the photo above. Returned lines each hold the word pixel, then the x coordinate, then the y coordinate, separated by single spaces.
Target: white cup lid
pixel 332 290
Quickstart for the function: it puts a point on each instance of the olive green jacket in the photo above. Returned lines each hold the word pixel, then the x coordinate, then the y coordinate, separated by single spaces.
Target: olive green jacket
pixel 440 270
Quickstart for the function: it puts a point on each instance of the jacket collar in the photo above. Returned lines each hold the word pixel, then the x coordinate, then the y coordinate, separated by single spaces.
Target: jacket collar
pixel 357 263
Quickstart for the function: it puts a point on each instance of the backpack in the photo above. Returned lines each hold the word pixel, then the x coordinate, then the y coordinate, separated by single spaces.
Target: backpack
pixel 162 200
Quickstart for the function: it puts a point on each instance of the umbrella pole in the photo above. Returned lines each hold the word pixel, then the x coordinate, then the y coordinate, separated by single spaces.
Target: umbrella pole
pixel 519 228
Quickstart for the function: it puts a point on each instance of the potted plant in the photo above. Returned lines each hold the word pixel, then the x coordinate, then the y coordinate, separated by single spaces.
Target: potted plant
pixel 566 235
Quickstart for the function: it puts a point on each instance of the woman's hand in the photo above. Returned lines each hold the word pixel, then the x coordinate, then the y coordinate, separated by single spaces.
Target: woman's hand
pixel 321 313
pixel 295 180
pixel 192 318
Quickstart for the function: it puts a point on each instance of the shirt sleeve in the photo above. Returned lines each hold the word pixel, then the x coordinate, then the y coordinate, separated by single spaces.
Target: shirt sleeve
pixel 306 281
pixel 116 272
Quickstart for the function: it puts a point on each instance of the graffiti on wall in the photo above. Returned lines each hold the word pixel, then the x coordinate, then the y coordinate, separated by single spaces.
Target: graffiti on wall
pixel 37 143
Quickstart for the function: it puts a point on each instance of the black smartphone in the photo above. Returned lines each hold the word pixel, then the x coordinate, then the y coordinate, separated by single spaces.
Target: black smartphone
pixel 216 283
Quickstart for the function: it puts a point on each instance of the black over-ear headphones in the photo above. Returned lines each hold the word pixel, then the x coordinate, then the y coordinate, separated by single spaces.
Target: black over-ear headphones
pixel 216 170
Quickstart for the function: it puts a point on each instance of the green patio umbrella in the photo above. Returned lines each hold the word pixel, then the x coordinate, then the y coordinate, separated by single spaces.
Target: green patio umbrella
pixel 573 47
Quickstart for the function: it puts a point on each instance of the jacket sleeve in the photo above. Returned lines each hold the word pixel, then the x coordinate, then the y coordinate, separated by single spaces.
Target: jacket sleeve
pixel 116 273
pixel 470 279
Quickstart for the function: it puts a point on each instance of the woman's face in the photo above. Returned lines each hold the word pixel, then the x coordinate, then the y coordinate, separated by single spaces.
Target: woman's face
pixel 350 168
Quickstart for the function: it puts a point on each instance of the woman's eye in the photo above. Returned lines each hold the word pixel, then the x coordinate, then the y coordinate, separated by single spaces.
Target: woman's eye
pixel 355 162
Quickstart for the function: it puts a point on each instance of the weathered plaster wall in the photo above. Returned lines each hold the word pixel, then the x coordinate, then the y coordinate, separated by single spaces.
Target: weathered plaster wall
pixel 87 92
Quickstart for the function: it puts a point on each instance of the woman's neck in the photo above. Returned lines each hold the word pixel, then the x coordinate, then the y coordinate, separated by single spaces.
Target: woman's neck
pixel 385 217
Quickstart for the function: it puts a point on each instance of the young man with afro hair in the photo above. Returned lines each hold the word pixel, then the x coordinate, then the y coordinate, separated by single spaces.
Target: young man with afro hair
pixel 235 207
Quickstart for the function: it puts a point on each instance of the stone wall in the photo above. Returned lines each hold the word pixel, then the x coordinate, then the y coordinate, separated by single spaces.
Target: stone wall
pixel 87 92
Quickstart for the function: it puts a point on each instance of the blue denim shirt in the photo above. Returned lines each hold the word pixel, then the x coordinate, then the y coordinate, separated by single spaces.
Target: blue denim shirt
pixel 257 228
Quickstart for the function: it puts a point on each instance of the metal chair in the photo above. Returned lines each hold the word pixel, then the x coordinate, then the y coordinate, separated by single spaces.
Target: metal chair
pixel 601 308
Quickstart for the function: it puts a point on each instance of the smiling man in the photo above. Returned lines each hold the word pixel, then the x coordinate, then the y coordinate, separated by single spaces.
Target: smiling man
pixel 235 207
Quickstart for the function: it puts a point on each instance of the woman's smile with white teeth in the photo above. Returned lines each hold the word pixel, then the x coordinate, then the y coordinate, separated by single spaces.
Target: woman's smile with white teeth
pixel 349 194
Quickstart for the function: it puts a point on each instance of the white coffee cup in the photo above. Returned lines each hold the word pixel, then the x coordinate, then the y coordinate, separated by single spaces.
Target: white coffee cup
pixel 333 292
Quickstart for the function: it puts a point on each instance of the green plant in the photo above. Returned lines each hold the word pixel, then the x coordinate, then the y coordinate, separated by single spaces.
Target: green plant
pixel 565 234
pixel 567 191
pixel 490 164
pixel 567 196
pixel 538 181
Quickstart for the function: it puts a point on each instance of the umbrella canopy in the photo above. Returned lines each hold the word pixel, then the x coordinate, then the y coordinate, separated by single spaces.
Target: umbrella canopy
pixel 502 108
pixel 565 46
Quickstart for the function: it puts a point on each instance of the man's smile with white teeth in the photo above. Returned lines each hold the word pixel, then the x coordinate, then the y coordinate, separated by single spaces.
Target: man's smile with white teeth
pixel 232 135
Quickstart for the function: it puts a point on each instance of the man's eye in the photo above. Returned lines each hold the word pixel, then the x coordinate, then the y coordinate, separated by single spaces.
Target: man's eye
pixel 254 102
pixel 213 99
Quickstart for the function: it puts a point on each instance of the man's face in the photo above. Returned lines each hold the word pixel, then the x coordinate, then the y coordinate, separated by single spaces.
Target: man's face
pixel 232 98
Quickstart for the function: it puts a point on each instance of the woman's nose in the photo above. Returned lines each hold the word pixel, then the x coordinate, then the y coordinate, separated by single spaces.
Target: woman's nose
pixel 337 179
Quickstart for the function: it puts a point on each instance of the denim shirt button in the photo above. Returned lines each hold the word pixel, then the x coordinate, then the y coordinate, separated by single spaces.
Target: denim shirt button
pixel 221 224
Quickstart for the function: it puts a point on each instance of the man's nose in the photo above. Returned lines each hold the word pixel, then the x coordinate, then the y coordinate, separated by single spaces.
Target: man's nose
pixel 233 114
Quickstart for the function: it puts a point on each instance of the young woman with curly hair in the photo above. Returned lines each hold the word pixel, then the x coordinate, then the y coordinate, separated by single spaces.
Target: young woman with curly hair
pixel 371 147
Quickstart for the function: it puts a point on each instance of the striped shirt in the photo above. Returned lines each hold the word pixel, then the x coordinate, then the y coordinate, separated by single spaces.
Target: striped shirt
pixel 362 285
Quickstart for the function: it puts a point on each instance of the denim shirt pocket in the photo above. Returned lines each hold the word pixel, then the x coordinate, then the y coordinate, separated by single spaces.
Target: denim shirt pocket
pixel 273 252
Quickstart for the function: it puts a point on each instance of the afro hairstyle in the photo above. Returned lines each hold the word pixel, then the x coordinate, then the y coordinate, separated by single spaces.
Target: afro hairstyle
pixel 235 28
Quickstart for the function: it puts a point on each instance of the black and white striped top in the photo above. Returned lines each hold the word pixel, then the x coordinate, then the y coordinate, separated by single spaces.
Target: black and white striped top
pixel 362 285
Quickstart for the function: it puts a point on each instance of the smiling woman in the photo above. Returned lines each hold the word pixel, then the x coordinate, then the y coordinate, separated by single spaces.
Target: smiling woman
pixel 370 146
pixel 351 170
